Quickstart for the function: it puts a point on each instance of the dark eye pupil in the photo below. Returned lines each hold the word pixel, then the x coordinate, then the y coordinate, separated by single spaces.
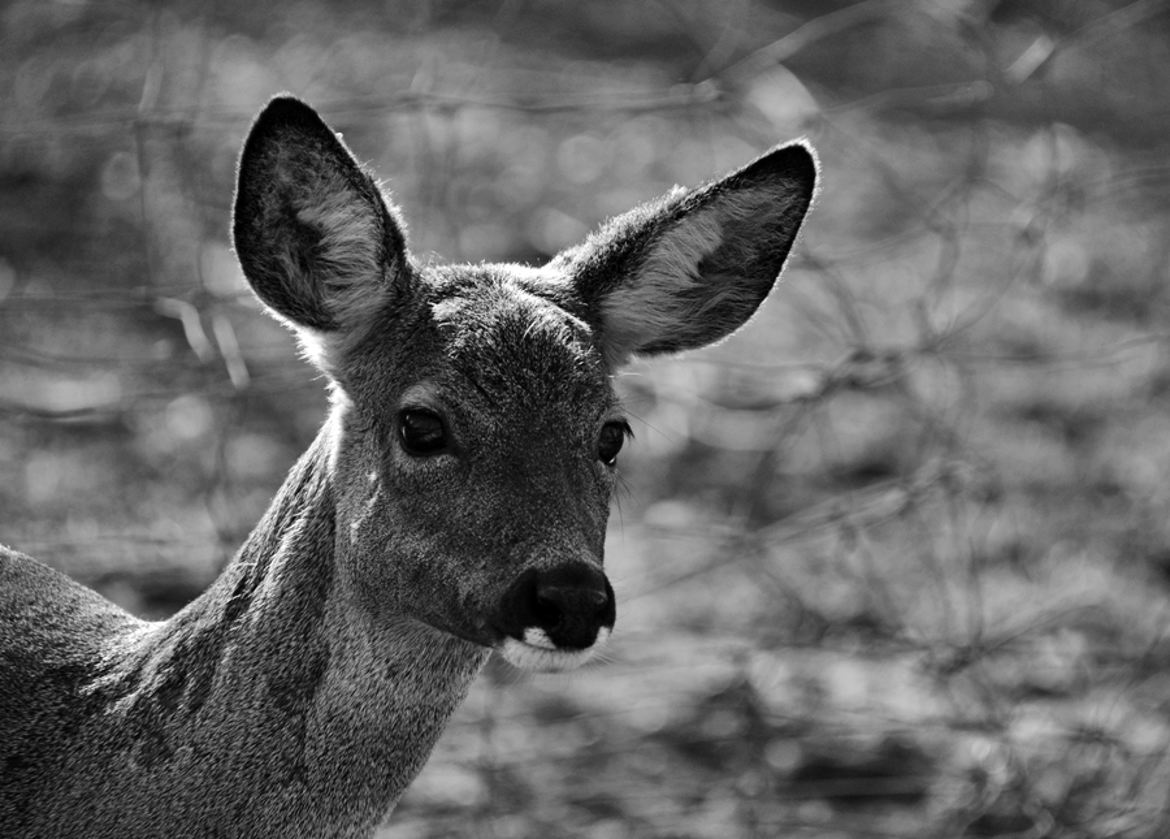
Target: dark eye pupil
pixel 422 432
pixel 613 435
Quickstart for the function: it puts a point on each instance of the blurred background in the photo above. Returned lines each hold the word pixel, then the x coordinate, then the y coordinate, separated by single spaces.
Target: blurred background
pixel 894 561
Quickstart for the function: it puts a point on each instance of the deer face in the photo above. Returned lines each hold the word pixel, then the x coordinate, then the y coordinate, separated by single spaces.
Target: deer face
pixel 481 456
pixel 476 429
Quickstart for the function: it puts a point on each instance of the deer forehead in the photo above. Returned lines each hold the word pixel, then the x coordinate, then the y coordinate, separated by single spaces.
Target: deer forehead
pixel 502 333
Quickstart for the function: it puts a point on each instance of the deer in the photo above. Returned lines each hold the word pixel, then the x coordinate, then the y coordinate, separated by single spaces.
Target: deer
pixel 454 503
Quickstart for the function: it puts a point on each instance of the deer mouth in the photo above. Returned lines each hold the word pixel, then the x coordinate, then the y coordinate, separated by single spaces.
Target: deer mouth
pixel 538 653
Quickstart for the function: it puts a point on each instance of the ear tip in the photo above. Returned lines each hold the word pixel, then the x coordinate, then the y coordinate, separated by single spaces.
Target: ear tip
pixel 801 152
pixel 284 109
pixel 283 115
pixel 280 120
pixel 796 161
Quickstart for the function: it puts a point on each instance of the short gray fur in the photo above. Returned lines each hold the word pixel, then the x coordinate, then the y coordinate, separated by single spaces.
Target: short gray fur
pixel 304 690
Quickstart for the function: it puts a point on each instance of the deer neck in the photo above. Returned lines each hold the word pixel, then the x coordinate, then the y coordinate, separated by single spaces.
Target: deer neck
pixel 279 682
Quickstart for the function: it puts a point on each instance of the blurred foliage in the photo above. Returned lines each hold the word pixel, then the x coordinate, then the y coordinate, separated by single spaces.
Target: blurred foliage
pixel 893 561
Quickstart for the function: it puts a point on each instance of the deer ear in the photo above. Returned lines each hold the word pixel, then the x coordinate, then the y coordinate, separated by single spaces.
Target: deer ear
pixel 316 239
pixel 692 267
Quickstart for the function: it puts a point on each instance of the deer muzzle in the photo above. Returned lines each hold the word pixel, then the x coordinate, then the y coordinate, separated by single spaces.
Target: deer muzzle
pixel 555 619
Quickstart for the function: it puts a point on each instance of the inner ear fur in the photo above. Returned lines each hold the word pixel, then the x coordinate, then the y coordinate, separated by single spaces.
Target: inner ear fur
pixel 692 267
pixel 316 238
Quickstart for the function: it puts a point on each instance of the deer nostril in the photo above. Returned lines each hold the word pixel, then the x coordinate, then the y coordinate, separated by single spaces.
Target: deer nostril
pixel 548 611
pixel 553 603
pixel 556 604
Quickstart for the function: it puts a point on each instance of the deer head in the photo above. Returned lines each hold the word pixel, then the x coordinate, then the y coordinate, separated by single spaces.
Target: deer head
pixel 476 429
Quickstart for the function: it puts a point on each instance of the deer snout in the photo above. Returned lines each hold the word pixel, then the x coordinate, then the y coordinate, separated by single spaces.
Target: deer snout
pixel 556 619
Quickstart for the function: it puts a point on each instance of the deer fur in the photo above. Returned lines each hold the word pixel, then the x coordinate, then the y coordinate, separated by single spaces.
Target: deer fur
pixel 454 503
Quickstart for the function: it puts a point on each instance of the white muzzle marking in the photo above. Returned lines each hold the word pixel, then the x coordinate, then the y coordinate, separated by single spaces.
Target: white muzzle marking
pixel 536 652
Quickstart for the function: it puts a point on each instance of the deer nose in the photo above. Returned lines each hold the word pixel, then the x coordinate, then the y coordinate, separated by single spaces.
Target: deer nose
pixel 569 604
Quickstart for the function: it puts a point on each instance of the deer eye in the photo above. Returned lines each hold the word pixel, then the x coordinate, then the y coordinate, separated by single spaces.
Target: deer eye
pixel 422 432
pixel 613 435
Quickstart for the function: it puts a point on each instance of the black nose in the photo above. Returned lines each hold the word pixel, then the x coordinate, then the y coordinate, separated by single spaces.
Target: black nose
pixel 569 604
